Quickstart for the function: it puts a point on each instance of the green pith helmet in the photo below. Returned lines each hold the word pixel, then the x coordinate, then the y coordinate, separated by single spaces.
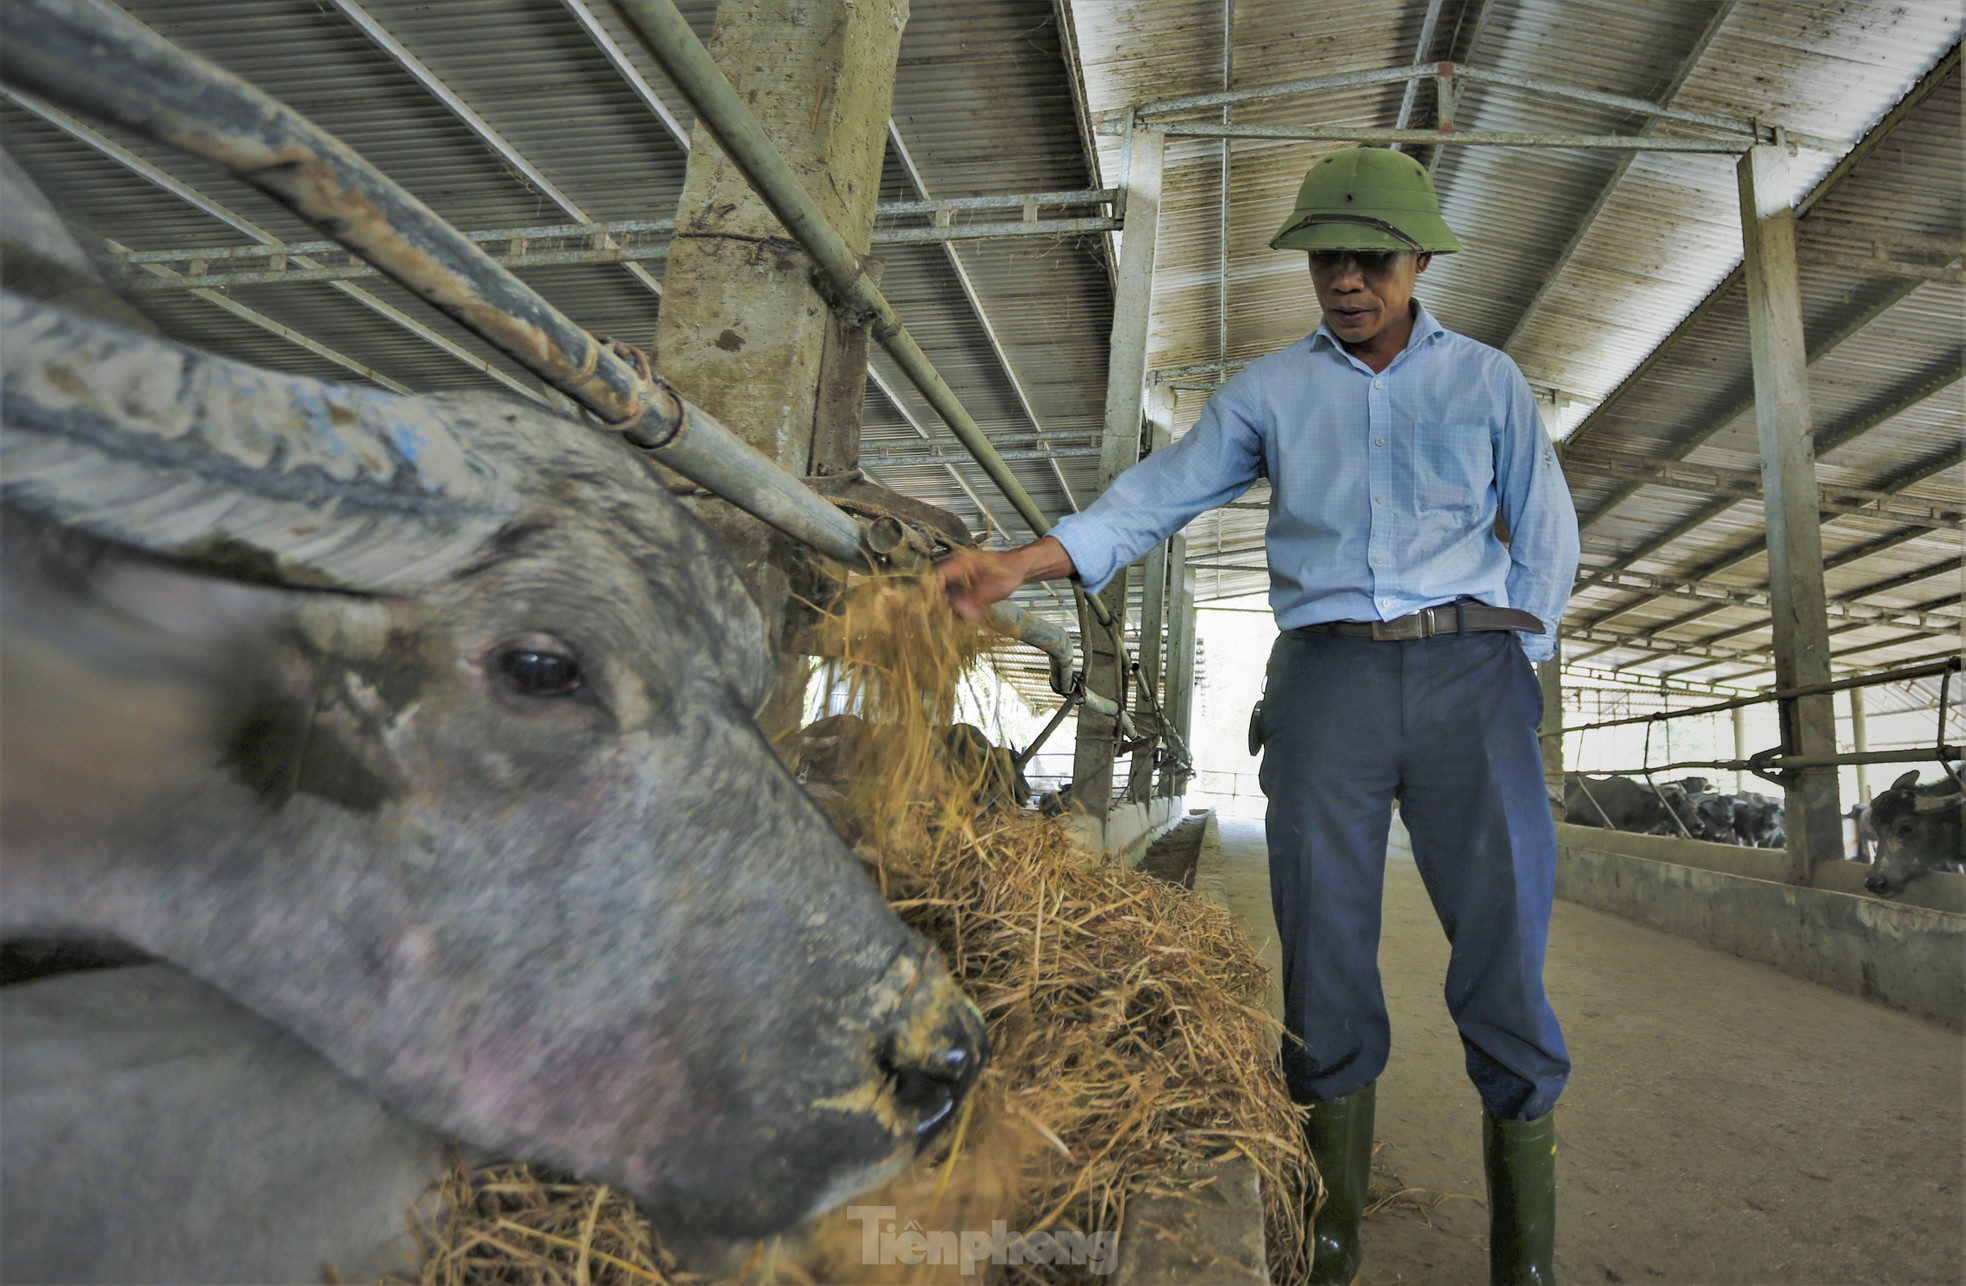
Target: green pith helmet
pixel 1366 198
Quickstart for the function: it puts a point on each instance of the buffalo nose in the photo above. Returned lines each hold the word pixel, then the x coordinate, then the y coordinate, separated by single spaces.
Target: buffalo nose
pixel 1874 884
pixel 931 1076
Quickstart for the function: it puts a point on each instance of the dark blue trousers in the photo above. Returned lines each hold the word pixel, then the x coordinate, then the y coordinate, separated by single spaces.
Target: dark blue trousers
pixel 1447 726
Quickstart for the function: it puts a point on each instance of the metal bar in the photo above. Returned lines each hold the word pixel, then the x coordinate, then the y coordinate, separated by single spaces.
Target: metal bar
pixel 1009 201
pixel 935 455
pixel 1458 138
pixel 1745 484
pixel 630 254
pixel 1750 130
pixel 1308 85
pixel 1948 666
pixel 1951 275
pixel 673 44
pixel 291 335
pixel 1422 49
pixel 626 69
pixel 1786 763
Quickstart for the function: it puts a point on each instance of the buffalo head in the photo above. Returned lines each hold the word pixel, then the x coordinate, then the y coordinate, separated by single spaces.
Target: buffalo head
pixel 457 777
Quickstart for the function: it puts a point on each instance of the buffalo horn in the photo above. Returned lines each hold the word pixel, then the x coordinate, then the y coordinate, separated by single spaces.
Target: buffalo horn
pixel 274 478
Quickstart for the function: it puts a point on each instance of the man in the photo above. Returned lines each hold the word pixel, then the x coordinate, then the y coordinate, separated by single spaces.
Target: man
pixel 1402 673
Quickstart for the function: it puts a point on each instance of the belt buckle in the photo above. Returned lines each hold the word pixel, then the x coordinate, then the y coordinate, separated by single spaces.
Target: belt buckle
pixel 1397 630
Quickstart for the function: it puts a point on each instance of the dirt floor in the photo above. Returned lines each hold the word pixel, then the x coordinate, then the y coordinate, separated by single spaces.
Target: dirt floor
pixel 1725 1122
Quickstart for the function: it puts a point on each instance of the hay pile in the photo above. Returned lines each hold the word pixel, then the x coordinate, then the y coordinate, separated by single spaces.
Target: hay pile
pixel 1129 1046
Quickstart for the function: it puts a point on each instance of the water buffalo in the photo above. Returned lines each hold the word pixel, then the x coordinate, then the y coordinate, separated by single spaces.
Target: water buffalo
pixel 1619 803
pixel 1919 828
pixel 446 766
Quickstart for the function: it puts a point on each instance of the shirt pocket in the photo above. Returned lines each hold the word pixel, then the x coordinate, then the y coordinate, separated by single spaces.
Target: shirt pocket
pixel 1453 466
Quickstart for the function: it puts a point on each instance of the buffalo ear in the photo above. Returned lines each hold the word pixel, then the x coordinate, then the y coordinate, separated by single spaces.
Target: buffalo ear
pixel 1907 781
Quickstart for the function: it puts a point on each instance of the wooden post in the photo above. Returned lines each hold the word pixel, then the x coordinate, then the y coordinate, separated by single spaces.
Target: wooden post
pixel 1119 448
pixel 742 331
pixel 1789 501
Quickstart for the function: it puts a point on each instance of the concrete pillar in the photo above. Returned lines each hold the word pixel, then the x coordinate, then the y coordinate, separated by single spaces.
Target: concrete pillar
pixel 1790 502
pixel 1550 673
pixel 1180 655
pixel 742 331
pixel 1153 619
pixel 1119 449
pixel 1550 732
pixel 1860 741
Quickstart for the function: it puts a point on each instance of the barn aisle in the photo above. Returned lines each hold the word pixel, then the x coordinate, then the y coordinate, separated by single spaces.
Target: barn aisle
pixel 1725 1122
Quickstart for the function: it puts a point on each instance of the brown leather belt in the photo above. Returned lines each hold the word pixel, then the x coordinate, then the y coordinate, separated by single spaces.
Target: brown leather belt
pixel 1448 618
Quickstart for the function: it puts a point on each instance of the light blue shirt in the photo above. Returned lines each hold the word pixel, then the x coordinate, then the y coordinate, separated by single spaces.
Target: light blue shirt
pixel 1385 486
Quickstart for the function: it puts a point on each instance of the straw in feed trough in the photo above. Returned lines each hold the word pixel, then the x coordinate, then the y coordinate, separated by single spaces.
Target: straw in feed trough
pixel 1129 1045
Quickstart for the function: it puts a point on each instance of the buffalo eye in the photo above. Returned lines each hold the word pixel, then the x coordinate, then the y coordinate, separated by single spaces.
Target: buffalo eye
pixel 535 670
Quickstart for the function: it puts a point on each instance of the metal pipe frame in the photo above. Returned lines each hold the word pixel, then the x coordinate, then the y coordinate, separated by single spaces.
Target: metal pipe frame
pixel 1878 135
pixel 1761 766
pixel 1950 665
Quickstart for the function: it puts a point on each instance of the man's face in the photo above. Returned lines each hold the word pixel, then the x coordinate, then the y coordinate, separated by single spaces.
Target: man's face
pixel 1367 295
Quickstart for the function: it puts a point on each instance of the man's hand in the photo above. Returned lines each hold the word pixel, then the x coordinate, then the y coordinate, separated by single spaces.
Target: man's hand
pixel 975 579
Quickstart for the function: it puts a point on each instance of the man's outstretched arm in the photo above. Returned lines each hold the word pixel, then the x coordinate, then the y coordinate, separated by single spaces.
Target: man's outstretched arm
pixel 975 579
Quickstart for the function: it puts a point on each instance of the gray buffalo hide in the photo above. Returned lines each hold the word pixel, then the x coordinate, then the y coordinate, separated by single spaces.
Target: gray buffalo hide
pixel 151 1122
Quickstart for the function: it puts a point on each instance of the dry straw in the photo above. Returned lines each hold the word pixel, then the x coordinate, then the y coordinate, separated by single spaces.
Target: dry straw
pixel 1129 1046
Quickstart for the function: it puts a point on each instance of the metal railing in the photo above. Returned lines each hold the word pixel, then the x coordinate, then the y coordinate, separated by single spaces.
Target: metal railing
pixel 1776 765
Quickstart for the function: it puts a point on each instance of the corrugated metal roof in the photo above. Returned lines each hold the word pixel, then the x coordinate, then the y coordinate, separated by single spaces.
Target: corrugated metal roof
pixel 1613 284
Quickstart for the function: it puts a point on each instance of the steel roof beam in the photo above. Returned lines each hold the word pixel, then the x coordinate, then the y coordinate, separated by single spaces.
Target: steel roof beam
pixel 477 124
pixel 664 227
pixel 286 332
pixel 581 244
pixel 239 223
pixel 1868 144
pixel 1829 344
pixel 1841 437
pixel 1687 64
pixel 1744 484
pixel 1852 555
pixel 976 306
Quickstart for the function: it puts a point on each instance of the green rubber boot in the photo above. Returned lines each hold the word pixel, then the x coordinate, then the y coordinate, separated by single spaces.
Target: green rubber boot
pixel 1520 1157
pixel 1340 1137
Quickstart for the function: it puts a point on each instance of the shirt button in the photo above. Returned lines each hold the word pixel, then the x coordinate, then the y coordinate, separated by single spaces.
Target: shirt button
pixel 1378 383
pixel 1378 500
pixel 1378 442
